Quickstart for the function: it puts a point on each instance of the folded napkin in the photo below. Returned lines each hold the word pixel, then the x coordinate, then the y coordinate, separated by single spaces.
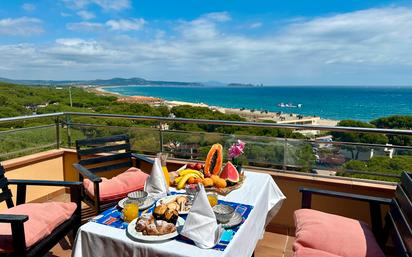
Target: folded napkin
pixel 155 185
pixel 201 225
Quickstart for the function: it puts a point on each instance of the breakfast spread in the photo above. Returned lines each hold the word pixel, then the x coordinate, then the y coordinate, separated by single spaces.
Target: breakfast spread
pixel 214 175
pixel 164 218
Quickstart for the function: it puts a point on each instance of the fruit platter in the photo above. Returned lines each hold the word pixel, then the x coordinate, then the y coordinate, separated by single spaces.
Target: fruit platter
pixel 213 175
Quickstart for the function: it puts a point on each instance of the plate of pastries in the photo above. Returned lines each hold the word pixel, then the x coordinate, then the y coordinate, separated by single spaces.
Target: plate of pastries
pixel 161 225
pixel 180 203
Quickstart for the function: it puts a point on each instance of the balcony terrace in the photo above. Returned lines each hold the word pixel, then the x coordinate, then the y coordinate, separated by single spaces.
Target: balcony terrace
pixel 40 147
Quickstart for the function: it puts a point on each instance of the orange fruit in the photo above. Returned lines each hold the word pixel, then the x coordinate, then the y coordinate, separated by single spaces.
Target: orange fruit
pixel 208 182
pixel 191 180
pixel 199 180
pixel 220 183
pixel 214 178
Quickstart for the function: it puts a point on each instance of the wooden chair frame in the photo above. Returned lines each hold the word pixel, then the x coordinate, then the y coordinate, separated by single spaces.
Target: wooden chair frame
pixel 398 221
pixel 104 152
pixel 17 221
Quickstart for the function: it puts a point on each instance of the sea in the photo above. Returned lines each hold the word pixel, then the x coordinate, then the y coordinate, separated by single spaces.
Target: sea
pixel 363 103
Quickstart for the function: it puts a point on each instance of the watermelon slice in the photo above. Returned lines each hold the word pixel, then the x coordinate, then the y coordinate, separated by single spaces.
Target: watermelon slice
pixel 230 173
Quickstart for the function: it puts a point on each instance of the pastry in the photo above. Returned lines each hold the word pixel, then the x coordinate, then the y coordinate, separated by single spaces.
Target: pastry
pixel 149 226
pixel 159 211
pixel 164 227
pixel 173 206
pixel 170 216
pixel 181 201
pixel 143 222
pixel 151 229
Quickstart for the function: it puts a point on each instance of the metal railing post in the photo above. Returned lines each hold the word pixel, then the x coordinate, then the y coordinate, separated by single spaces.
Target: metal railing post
pixel 57 122
pixel 285 152
pixel 69 136
pixel 161 136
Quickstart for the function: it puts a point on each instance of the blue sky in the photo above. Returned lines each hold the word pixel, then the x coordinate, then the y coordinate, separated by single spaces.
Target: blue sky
pixel 304 42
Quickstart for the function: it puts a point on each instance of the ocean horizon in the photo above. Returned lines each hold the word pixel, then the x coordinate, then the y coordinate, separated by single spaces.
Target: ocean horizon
pixel 363 103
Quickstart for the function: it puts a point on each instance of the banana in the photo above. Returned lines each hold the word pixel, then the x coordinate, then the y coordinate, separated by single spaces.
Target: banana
pixel 190 171
pixel 177 180
pixel 184 179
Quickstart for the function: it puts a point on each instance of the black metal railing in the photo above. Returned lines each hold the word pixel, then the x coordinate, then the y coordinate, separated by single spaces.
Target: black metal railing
pixel 151 135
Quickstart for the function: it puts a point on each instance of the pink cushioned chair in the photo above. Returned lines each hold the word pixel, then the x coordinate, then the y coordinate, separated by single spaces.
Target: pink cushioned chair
pixel 324 234
pixel 105 154
pixel 32 229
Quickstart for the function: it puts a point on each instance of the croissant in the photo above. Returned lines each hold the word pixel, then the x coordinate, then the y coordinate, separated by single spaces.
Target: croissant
pixel 148 226
pixel 164 227
pixel 151 229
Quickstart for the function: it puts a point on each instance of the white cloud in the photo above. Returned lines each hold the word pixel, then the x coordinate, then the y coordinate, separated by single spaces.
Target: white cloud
pixel 86 15
pixel 84 26
pixel 204 27
pixel 217 16
pixel 28 7
pixel 65 14
pixel 108 5
pixel 364 47
pixel 255 25
pixel 112 25
pixel 23 26
pixel 126 24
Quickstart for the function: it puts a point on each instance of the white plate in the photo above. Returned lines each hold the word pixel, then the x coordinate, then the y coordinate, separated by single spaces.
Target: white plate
pixel 234 221
pixel 131 231
pixel 168 199
pixel 147 203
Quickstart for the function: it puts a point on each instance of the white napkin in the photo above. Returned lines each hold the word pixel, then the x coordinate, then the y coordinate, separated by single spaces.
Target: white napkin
pixel 155 184
pixel 201 225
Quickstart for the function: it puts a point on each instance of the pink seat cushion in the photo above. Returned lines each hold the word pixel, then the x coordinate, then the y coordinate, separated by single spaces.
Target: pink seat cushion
pixel 43 219
pixel 309 252
pixel 119 186
pixel 334 234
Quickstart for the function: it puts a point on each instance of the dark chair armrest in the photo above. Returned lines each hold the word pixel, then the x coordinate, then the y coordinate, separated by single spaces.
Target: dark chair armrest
pixel 12 218
pixel 140 157
pixel 44 183
pixel 17 231
pixel 87 173
pixel 307 195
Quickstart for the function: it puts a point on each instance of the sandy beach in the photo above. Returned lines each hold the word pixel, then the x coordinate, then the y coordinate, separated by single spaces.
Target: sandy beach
pixel 250 115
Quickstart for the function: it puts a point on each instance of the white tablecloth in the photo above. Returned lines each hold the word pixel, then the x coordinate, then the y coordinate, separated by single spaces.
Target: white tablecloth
pixel 258 190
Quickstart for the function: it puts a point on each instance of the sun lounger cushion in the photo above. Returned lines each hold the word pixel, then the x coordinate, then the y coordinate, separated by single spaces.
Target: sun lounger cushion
pixel 334 234
pixel 309 252
pixel 119 186
pixel 43 219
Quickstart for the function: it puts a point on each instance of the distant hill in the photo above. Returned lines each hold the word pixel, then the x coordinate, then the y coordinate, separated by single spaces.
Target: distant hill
pixel 244 85
pixel 102 82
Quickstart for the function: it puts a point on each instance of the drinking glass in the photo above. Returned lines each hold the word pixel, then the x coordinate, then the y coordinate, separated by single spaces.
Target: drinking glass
pixel 163 160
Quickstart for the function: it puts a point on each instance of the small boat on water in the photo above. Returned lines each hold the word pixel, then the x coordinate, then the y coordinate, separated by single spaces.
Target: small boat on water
pixel 289 105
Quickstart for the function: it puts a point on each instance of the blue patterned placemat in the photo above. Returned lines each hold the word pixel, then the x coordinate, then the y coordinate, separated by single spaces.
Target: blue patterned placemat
pixel 112 218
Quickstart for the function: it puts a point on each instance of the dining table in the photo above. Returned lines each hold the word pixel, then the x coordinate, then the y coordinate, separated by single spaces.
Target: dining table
pixel 258 192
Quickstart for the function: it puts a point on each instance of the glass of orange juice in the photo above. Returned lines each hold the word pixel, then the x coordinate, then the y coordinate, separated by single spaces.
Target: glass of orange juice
pixel 163 160
pixel 212 197
pixel 130 211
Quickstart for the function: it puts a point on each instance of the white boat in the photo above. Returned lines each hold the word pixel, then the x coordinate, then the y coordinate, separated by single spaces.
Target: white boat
pixel 289 105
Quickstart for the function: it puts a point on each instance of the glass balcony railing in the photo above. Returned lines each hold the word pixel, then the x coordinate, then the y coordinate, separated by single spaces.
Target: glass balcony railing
pixel 281 147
